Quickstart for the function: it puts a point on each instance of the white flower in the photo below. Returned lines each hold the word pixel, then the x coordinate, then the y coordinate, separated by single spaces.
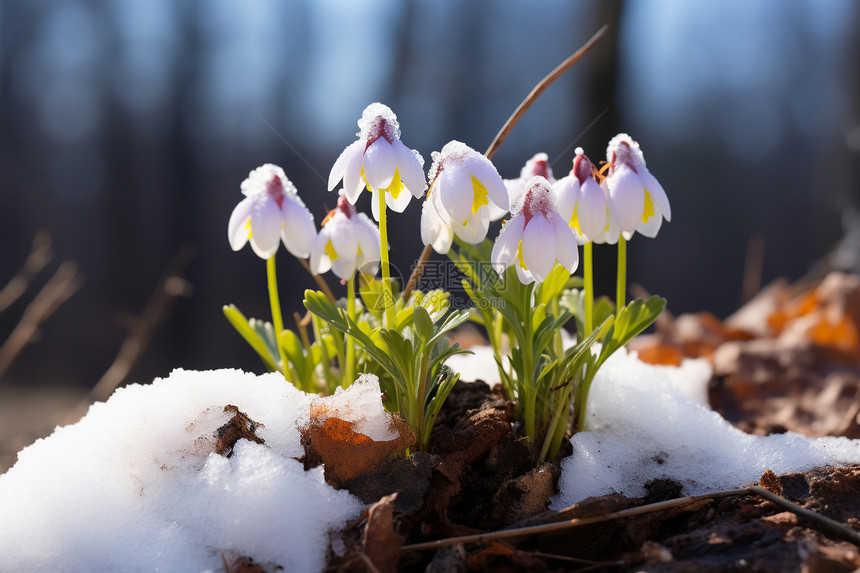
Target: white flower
pixel 380 161
pixel 537 165
pixel 636 199
pixel 536 237
pixel 348 241
pixel 271 212
pixel 438 230
pixel 465 182
pixel 582 202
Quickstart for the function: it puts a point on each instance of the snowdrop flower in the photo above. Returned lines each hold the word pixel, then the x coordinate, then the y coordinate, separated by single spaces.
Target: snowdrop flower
pixel 537 165
pixel 636 199
pixel 583 203
pixel 271 212
pixel 536 237
pixel 465 182
pixel 380 161
pixel 348 241
pixel 438 230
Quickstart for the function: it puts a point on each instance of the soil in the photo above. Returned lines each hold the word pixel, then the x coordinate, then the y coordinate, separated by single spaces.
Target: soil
pixel 789 360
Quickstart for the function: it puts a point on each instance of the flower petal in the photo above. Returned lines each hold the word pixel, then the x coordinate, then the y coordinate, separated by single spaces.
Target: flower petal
pixel 298 230
pixel 565 244
pixel 626 198
pixel 592 210
pixel 368 240
pixel 475 229
pixel 266 224
pixel 524 275
pixel 344 239
pixel 507 243
pixel 338 170
pixel 567 194
pixel 398 205
pixel 658 195
pixel 433 231
pixel 411 171
pixel 652 227
pixel 380 161
pixel 343 268
pixel 320 262
pixel 237 233
pixel 352 182
pixel 539 249
pixel 374 204
pixel 456 194
pixel 485 172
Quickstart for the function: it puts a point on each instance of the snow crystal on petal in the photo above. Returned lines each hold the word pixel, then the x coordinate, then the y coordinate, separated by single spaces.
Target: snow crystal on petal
pixel 377 120
pixel 623 150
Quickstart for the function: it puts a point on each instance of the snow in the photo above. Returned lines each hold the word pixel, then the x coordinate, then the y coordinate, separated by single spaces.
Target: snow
pixel 136 485
pixel 360 404
pixel 647 422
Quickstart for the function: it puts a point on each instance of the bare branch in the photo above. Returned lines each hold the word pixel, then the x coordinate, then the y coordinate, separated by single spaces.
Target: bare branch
pixel 142 327
pixel 39 257
pixel 56 291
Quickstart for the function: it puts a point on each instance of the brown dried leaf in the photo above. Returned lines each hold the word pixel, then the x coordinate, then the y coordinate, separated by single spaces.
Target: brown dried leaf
pixel 239 426
pixel 348 454
pixel 381 543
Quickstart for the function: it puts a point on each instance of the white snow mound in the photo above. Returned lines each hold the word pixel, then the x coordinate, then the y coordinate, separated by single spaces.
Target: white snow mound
pixel 647 422
pixel 136 485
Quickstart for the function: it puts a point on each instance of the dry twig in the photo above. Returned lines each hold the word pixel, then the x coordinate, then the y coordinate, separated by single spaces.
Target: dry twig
pixel 56 291
pixel 39 257
pixel 142 327
pixel 824 524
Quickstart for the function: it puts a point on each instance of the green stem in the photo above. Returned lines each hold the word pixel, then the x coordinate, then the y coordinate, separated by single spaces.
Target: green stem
pixel 277 320
pixel 423 433
pixel 349 367
pixel 588 287
pixel 620 293
pixel 387 298
pixel 528 366
pixel 555 432
pixel 325 360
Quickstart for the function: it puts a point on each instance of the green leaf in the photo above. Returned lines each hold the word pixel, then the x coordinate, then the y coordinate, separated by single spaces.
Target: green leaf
pixel 552 286
pixel 633 319
pixel 423 323
pixel 251 336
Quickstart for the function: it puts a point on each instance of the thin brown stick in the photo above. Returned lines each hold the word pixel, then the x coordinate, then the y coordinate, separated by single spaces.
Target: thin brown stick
pixel 39 257
pixel 539 89
pixel 825 524
pixel 142 327
pixel 319 280
pixel 506 130
pixel 417 272
pixel 56 291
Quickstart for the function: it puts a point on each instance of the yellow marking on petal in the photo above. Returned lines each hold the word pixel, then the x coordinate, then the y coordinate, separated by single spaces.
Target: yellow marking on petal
pixel 247 225
pixel 479 196
pixel 520 255
pixel 648 212
pixel 574 219
pixel 396 186
pixel 329 250
pixel 363 178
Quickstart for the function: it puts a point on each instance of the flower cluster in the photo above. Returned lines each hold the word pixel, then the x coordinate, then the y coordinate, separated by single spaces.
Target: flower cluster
pixel 400 336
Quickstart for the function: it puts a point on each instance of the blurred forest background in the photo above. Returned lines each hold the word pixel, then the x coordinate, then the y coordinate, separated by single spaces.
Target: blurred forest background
pixel 127 127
